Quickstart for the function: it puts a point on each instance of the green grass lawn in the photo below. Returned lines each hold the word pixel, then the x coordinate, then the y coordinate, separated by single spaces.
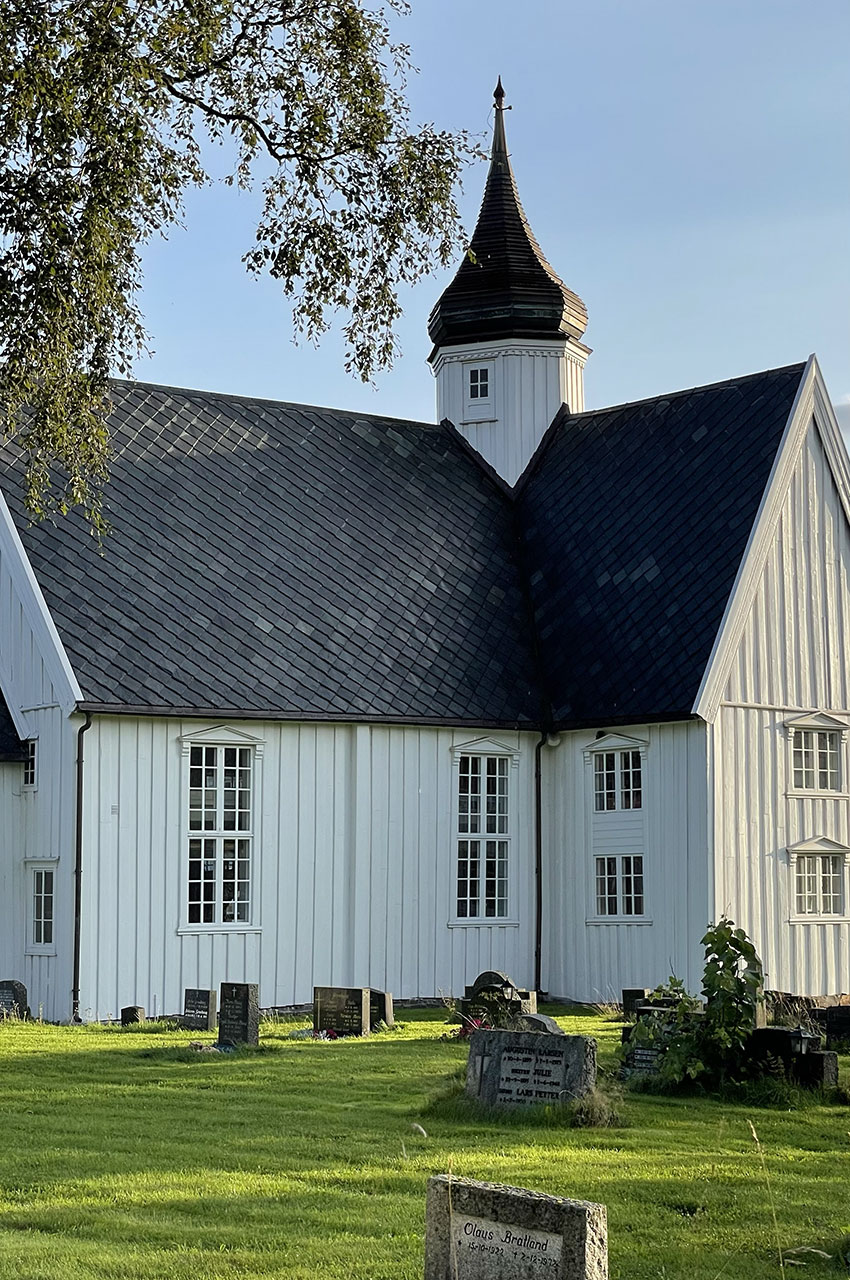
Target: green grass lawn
pixel 125 1154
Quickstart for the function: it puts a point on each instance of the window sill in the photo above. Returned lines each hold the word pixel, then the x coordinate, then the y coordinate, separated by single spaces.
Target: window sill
pixel 476 922
pixel 618 920
pixel 37 951
pixel 818 794
pixel 833 918
pixel 477 422
pixel 218 928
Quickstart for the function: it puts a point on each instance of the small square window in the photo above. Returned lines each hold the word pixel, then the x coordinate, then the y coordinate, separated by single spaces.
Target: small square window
pixel 30 763
pixel 818 883
pixel 816 760
pixel 619 885
pixel 479 384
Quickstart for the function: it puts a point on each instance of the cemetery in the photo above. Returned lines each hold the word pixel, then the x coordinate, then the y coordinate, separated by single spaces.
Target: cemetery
pixel 390 1157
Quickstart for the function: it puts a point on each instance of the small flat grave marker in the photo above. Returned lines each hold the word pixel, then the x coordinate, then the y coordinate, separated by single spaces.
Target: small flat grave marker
pixel 239 1019
pixel 13 999
pixel 486 1231
pixel 522 1068
pixel 131 1014
pixel 343 1010
pixel 381 1008
pixel 199 1009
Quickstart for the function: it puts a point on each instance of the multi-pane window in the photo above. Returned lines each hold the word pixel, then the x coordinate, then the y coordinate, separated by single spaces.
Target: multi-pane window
pixel 42 907
pixel 818 884
pixel 619 885
pixel 220 834
pixel 30 762
pixel 482 837
pixel 479 384
pixel 617 780
pixel 815 759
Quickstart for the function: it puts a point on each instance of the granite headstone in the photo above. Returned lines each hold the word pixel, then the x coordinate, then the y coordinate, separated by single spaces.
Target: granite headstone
pixel 344 1011
pixel 522 1068
pixel 199 1009
pixel 239 1017
pixel 13 999
pixel 486 1231
pixel 131 1014
pixel 381 1008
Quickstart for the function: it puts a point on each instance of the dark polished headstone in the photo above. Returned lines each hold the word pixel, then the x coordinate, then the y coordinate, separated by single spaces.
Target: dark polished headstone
pixel 345 1011
pixel 199 1009
pixel 632 997
pixel 817 1069
pixel 239 1016
pixel 13 999
pixel 381 1008
pixel 131 1014
pixel 837 1025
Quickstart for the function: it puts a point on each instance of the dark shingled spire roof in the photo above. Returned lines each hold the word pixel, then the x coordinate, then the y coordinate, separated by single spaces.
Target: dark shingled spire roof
pixel 504 288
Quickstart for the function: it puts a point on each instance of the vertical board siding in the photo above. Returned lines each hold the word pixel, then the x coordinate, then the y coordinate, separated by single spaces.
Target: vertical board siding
pixel 37 824
pixel 594 961
pixel 354 867
pixel 793 657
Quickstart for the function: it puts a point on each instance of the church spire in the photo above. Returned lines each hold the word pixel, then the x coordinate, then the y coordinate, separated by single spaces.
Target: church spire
pixel 504 288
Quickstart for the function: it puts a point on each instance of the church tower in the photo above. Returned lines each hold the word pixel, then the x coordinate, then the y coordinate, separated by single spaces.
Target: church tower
pixel 506 332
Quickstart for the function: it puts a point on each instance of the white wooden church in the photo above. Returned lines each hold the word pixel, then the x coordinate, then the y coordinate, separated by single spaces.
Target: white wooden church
pixel 352 700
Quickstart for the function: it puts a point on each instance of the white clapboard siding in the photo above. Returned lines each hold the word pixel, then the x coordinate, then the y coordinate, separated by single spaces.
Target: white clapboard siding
pixel 38 824
pixel 591 961
pixel 529 381
pixel 354 866
pixel 793 658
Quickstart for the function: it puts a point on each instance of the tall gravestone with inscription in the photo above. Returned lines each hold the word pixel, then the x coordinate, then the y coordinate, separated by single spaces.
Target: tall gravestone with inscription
pixel 199 1009
pixel 239 1016
pixel 486 1231
pixel 381 1008
pixel 524 1068
pixel 342 1011
pixel 13 999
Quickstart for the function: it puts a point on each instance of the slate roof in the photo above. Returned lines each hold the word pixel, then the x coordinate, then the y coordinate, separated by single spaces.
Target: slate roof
pixel 634 522
pixel 277 559
pixel 11 747
pixel 504 288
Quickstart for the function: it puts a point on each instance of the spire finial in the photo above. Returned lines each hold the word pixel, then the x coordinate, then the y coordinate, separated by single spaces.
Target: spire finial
pixel 500 146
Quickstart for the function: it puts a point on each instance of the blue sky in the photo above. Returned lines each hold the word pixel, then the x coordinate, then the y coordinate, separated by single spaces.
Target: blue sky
pixel 685 167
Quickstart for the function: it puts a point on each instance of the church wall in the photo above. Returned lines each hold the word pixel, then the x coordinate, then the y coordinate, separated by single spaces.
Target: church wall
pixel 37 822
pixel 354 866
pixel 589 958
pixel 793 659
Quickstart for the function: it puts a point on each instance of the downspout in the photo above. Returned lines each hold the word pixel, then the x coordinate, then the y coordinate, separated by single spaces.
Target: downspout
pixel 78 873
pixel 538 865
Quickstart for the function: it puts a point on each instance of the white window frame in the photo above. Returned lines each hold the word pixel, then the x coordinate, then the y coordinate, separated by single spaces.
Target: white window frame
pixel 478 408
pixel 817 723
pixel 815 852
pixel 484 749
pixel 622 747
pixel 624 874
pixel 221 738
pixel 30 765
pixel 32 868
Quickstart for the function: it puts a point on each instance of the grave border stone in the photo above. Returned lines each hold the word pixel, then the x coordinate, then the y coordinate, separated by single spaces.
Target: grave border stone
pixel 581 1225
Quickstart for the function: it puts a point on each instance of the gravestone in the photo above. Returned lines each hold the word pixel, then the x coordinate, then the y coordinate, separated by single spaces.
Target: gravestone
pixel 199 1009
pixel 13 999
pixel 486 1231
pixel 837 1025
pixel 239 1018
pixel 817 1069
pixel 537 1022
pixel 381 1008
pixel 638 1059
pixel 522 1068
pixel 131 1014
pixel 494 999
pixel 343 1010
pixel 632 997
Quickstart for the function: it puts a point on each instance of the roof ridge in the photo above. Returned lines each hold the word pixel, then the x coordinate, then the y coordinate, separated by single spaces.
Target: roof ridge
pixel 688 391
pixel 235 397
